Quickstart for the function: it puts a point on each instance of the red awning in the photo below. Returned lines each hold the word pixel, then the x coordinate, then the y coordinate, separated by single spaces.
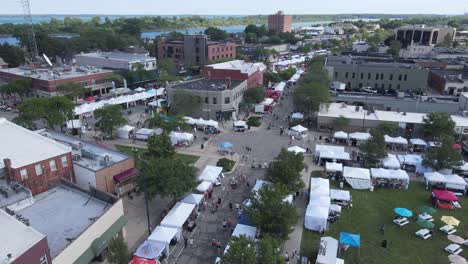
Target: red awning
pixel 138 260
pixel 90 99
pixel 126 175
pixel 445 195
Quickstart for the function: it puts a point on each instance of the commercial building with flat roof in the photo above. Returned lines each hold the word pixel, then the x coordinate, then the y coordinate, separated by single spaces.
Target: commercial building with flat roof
pixel 74 226
pixel 451 82
pixel 219 99
pixel 424 35
pixel 31 159
pixel 45 80
pixel 377 73
pixel 116 60
pixel 237 70
pixel 280 22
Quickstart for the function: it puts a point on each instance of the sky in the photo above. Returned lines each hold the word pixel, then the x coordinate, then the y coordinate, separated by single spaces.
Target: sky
pixel 236 7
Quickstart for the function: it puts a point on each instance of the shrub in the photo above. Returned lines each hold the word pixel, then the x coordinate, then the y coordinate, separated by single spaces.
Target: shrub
pixel 294 123
pixel 226 164
pixel 253 121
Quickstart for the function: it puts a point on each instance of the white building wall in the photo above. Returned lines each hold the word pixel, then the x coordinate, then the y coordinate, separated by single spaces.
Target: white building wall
pixel 84 177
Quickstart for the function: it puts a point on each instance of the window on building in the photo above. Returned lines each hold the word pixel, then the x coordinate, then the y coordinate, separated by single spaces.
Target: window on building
pixel 38 169
pixel 376 76
pixel 64 161
pixel 197 40
pixel 53 165
pixel 43 260
pixel 215 100
pixel 206 100
pixel 391 76
pixel 227 100
pixel 406 77
pixel 362 75
pixel 212 57
pixel 346 75
pixel 24 174
pixel 360 85
pixel 399 77
pixel 369 76
pixel 389 86
pixel 197 59
pixel 381 76
pixel 354 75
pixel 218 49
pixel 336 75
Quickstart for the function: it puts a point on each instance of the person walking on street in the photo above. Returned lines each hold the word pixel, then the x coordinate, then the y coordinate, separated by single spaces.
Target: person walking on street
pixel 230 206
pixel 382 229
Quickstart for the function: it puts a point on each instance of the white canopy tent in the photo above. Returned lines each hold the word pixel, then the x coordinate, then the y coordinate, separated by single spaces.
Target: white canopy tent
pixel 296 149
pixel 124 132
pixel 455 182
pixel 410 159
pixel 177 217
pixel 341 195
pixel 240 124
pixel 164 235
pixel 359 136
pixel 279 86
pixel 319 187
pixel 204 186
pixel 299 129
pixel 259 184
pixel 193 198
pixel 246 230
pixel 379 173
pixel 331 152
pixel 74 124
pixel 340 135
pixel 297 116
pixel 156 103
pixel 418 142
pixel 333 167
pixel 316 218
pixel 267 101
pixel 181 137
pixel 210 173
pixel 200 122
pixel 319 148
pixel 358 178
pixel 391 162
pixel 395 140
pixel 434 178
pixel 335 208
pixel 323 201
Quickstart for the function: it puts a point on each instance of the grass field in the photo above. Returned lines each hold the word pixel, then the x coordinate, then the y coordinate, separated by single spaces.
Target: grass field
pixel 371 209
pixel 183 157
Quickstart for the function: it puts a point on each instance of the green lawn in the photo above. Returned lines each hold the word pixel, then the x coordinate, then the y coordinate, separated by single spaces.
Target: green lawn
pixel 370 210
pixel 183 157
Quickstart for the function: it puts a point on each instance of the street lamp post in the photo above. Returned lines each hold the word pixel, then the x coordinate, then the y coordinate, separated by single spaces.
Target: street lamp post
pixel 135 153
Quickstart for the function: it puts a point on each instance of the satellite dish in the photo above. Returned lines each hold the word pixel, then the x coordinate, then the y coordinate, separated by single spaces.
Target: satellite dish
pixel 47 59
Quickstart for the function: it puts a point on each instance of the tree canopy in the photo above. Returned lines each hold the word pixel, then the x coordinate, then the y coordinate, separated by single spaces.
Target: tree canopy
pixel 444 156
pixel 341 123
pixel 374 149
pixel 270 213
pixel 108 118
pixel 254 95
pixel 173 123
pixel 216 34
pixel 71 90
pixel 241 251
pixel 387 128
pixel 395 47
pixel 437 124
pixel 118 251
pixel 160 146
pixel 286 170
pixel 53 111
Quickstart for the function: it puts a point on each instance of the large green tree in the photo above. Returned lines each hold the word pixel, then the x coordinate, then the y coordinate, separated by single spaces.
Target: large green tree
pixel 21 87
pixel 270 213
pixel 444 156
pixel 72 90
pixel 118 251
pixel 341 123
pixel 184 102
pixel 216 34
pixel 309 96
pixel 241 251
pixel 395 47
pixel 267 251
pixel 254 95
pixel 108 118
pixel 11 54
pixel 437 124
pixel 374 149
pixel 166 176
pixel 52 111
pixel 387 128
pixel 286 170
pixel 160 146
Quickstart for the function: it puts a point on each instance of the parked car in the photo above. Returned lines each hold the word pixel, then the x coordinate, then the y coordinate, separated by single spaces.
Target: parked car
pixel 368 90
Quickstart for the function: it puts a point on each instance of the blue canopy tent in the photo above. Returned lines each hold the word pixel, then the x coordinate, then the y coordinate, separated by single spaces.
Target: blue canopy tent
pixel 351 240
pixel 150 249
pixel 225 145
pixel 403 212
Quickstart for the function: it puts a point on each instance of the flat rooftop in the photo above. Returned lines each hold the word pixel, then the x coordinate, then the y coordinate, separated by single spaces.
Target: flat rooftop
pixel 206 85
pixel 47 74
pixel 91 154
pixel 240 65
pixel 24 147
pixel 370 62
pixel 117 55
pixel 62 214
pixel 16 237
pixel 8 196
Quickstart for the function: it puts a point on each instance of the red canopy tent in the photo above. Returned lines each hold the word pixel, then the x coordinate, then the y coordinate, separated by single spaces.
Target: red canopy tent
pixel 138 260
pixel 445 195
pixel 456 146
pixel 90 99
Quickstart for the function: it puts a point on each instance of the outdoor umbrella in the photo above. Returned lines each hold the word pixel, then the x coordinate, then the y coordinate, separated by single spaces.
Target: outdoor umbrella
pixel 456 146
pixel 455 259
pixel 425 224
pixel 456 239
pixel 428 209
pixel 403 212
pixel 450 220
pixel 225 145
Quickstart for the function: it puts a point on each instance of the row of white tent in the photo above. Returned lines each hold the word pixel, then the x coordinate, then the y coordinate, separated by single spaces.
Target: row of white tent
pixel 450 181
pixel 362 136
pixel 200 122
pixel 209 177
pixel 360 178
pixel 331 152
pixel 124 99
pixel 181 138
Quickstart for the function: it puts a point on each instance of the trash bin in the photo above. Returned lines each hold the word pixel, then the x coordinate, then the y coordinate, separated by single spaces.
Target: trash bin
pixel 341 185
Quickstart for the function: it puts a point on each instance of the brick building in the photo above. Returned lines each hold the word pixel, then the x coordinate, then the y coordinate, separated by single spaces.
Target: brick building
pixel 194 50
pixel 451 82
pixel 279 22
pixel 45 81
pixel 31 159
pixel 237 70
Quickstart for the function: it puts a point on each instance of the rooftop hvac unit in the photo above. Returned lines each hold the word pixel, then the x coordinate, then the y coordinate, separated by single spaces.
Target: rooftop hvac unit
pixel 76 157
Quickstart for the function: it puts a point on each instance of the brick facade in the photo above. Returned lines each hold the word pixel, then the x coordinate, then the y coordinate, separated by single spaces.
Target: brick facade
pixel 105 177
pixel 40 183
pixel 254 80
pixel 279 22
pixel 217 51
pixel 34 254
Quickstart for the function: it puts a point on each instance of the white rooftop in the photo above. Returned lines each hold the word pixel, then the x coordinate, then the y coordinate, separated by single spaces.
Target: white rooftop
pixel 24 147
pixel 63 213
pixel 117 55
pixel 243 66
pixel 16 237
pixel 56 74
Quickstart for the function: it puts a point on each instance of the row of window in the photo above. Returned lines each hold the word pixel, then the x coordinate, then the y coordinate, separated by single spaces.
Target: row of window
pixel 378 76
pixel 377 86
pixel 38 167
pixel 222 49
pixel 222 56
pixel 227 100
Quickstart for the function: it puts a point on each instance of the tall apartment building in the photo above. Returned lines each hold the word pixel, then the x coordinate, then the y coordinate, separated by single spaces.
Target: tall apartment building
pixel 194 50
pixel 280 22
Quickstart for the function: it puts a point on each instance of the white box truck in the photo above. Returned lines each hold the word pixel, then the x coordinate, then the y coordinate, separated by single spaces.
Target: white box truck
pixel 338 86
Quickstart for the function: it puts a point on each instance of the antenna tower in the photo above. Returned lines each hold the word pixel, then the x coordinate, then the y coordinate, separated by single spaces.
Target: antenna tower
pixel 32 53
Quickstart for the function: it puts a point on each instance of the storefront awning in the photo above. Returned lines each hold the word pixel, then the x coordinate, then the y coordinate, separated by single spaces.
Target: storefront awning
pixel 126 175
pixel 100 243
